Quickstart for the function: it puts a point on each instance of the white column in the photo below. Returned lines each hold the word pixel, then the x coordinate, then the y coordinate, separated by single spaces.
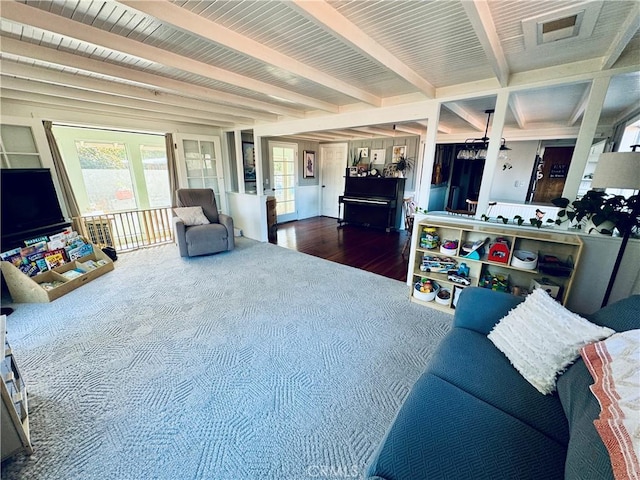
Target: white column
pixel 423 190
pixel 588 126
pixel 491 162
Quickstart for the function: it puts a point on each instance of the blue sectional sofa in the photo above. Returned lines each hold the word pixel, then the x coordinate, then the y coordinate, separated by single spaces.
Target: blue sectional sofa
pixel 471 415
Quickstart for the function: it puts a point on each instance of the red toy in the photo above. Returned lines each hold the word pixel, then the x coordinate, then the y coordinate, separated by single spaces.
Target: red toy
pixel 499 251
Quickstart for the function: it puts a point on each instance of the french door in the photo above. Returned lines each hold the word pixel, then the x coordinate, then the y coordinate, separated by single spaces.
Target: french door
pixel 283 158
pixel 200 165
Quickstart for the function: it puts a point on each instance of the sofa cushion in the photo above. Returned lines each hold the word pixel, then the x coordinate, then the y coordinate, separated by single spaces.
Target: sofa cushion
pixel 445 433
pixel 470 361
pixel 621 315
pixel 479 309
pixel 587 456
pixel 541 338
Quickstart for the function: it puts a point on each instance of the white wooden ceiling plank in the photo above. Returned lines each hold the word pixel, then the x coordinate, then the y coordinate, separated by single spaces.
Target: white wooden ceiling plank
pixel 622 39
pixel 516 109
pixel 93 107
pixel 341 27
pixel 580 107
pixel 466 115
pixel 103 85
pixel 191 22
pixel 128 23
pixel 106 17
pixel 28 15
pixel 16 47
pixel 482 23
pixel 410 130
pixel 623 115
pixel 378 131
pixel 144 30
pixel 88 14
pixel 53 7
pixel 68 93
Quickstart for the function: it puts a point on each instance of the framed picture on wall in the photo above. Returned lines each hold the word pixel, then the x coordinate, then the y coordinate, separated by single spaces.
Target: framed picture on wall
pixel 398 151
pixel 309 163
pixel 377 156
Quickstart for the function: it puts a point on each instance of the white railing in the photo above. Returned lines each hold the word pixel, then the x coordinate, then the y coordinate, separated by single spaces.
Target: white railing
pixel 128 230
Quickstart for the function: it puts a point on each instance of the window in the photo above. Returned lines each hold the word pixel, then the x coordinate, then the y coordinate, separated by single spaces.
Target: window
pixel 107 177
pixel 113 171
pixel 156 175
pixel 18 147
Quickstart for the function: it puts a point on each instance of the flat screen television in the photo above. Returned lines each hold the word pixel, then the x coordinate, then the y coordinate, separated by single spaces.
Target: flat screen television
pixel 30 206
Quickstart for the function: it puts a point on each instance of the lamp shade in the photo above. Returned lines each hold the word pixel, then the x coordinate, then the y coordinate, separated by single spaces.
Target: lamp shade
pixel 617 170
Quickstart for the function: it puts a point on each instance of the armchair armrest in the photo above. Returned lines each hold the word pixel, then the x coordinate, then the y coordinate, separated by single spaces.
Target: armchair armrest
pixel 227 221
pixel 479 309
pixel 180 232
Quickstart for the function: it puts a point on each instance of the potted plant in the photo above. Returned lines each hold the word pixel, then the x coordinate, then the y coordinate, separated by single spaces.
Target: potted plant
pixel 404 164
pixel 603 212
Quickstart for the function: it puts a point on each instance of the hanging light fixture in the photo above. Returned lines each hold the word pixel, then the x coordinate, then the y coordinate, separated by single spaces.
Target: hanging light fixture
pixel 476 148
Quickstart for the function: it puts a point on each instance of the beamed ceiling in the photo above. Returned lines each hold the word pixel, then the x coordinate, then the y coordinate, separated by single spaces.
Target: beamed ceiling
pixel 238 64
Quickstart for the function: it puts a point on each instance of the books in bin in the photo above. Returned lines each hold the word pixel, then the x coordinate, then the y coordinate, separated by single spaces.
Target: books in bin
pixel 13 256
pixel 71 274
pixel 79 250
pixel 33 241
pixel 55 258
pixel 38 256
pixel 51 285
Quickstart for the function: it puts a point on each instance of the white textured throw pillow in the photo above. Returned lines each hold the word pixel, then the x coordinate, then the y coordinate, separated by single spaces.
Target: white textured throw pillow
pixel 191 216
pixel 541 338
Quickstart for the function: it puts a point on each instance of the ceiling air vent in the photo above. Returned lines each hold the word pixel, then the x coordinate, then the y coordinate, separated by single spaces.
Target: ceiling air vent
pixel 559 29
pixel 576 22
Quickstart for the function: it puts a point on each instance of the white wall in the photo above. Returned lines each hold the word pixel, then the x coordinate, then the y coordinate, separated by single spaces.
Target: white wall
pixel 511 184
pixel 594 271
pixel 249 213
pixel 308 201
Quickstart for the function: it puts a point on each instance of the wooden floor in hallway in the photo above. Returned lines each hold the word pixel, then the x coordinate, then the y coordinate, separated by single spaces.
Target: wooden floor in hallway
pixel 369 249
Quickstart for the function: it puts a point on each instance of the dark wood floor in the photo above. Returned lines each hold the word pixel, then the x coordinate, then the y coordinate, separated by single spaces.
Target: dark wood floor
pixel 369 249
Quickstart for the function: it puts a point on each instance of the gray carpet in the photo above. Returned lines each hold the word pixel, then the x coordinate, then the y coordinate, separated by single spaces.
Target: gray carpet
pixel 261 363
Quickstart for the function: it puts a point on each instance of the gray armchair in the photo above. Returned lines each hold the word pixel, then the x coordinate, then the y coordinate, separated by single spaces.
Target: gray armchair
pixel 213 237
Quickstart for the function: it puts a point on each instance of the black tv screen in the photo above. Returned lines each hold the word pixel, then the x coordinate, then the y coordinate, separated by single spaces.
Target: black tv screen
pixel 29 205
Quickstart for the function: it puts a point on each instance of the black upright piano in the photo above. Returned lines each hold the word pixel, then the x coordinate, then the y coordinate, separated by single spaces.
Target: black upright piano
pixel 373 202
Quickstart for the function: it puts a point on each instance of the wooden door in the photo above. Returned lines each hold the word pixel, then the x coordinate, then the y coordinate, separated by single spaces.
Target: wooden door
pixel 553 174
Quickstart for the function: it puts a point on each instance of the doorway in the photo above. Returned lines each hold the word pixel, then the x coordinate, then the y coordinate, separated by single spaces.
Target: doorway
pixel 466 178
pixel 551 173
pixel 333 161
pixel 283 158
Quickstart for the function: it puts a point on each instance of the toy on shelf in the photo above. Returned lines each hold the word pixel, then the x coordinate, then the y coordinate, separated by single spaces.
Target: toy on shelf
pixel 429 238
pixel 433 263
pixel 497 282
pixel 459 276
pixel 499 251
pixel 475 250
pixel 449 247
pixel 551 265
pixel 425 289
